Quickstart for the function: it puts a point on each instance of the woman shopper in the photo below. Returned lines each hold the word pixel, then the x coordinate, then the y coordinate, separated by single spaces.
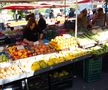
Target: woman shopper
pixel 31 32
pixel 83 21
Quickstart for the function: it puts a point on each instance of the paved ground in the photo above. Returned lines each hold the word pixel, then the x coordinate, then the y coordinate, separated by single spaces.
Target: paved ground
pixel 80 84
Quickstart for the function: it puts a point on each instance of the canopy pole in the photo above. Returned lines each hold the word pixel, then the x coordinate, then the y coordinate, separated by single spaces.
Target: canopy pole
pixel 105 11
pixel 65 9
pixel 76 20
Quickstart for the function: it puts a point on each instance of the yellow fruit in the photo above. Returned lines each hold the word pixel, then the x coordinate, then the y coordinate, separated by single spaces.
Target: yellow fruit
pixel 61 74
pixel 42 64
pixel 35 66
pixel 56 74
pixel 50 62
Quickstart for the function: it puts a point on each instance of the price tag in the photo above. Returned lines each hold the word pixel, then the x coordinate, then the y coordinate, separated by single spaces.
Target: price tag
pixel 1 48
pixel 66 36
pixel 19 47
pixel 80 33
pixel 37 42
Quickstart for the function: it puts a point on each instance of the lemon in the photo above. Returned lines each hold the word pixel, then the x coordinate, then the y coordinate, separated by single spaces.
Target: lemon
pixel 35 66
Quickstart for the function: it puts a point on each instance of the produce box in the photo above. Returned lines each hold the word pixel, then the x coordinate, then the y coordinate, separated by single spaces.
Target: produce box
pixel 63 42
pixel 92 69
pixel 38 82
pixel 42 48
pixel 61 78
pixel 18 52
pixel 26 64
pixel 10 72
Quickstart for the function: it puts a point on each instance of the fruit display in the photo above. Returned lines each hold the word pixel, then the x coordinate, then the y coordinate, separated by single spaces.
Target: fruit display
pixel 59 74
pixel 67 55
pixel 98 50
pixel 47 60
pixel 9 71
pixel 61 42
pixel 55 58
pixel 77 52
pixel 69 50
pixel 16 53
pixel 74 53
pixel 18 23
pixel 4 57
pixel 42 48
pixel 101 37
pixel 35 66
pixel 85 42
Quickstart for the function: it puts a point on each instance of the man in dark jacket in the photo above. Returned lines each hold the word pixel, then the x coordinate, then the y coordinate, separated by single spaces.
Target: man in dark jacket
pixel 42 23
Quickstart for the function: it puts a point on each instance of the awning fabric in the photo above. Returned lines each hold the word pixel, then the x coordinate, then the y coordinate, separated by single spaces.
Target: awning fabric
pixel 21 6
pixel 83 1
pixel 17 0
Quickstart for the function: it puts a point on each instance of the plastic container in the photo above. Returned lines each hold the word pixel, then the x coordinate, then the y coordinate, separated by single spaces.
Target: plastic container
pixel 92 69
pixel 61 78
pixel 38 82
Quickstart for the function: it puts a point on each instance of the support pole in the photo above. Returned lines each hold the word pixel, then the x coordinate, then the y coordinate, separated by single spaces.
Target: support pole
pixel 76 20
pixel 105 11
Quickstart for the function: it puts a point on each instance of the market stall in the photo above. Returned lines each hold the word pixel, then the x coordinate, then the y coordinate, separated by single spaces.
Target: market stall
pixel 59 52
pixel 49 65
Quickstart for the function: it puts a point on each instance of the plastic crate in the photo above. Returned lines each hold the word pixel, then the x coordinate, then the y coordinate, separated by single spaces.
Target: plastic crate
pixel 38 82
pixel 92 69
pixel 61 81
pixel 92 78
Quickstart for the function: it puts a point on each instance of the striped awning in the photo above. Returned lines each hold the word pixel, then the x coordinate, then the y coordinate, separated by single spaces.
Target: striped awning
pixel 17 0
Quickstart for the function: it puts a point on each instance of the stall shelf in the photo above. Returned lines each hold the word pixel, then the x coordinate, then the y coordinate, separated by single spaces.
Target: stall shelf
pixel 66 63
pixel 29 75
pixel 45 70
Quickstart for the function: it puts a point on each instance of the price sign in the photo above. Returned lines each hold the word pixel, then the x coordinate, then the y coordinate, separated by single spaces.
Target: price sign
pixel 19 47
pixel 37 42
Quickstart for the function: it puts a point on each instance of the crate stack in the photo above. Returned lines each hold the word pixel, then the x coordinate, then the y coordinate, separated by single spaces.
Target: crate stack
pixel 92 69
pixel 61 78
pixel 38 82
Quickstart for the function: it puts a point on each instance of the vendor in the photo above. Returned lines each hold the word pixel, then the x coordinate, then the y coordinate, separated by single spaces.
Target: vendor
pixel 31 32
pixel 99 19
pixel 83 21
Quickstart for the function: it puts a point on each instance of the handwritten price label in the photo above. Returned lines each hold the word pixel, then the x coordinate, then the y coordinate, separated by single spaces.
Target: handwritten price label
pixel 19 47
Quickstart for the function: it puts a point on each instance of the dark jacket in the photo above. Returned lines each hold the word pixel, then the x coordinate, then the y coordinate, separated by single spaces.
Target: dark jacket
pixel 42 24
pixel 31 35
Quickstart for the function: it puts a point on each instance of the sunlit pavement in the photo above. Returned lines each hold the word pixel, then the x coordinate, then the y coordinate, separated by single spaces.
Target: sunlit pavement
pixel 80 84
